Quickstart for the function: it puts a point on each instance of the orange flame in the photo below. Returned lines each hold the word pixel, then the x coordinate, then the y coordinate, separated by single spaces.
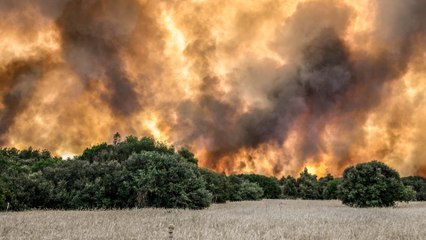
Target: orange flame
pixel 202 72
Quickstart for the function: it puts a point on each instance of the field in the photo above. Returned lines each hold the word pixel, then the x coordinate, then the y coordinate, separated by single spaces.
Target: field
pixel 267 219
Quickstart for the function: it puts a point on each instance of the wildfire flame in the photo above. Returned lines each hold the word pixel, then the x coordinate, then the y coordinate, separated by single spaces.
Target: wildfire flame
pixel 269 86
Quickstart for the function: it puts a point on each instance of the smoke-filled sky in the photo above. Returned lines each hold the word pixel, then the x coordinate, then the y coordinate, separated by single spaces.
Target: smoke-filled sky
pixel 265 86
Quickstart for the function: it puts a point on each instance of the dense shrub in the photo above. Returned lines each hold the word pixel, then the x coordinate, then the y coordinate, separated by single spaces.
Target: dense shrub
pixel 250 191
pixel 331 189
pixel 144 172
pixel 217 184
pixel 241 189
pixel 270 186
pixel 104 176
pixel 328 187
pixel 289 187
pixel 308 186
pixel 418 184
pixel 167 181
pixel 372 184
pixel 121 150
pixel 79 184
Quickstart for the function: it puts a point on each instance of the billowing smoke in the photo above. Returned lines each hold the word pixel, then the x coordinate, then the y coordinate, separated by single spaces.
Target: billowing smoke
pixel 18 82
pixel 269 86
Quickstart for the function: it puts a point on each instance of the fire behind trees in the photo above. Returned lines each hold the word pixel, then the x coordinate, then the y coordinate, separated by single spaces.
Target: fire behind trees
pixel 264 86
pixel 147 173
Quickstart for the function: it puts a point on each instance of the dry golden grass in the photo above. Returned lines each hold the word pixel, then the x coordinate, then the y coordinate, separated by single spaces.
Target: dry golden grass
pixel 268 219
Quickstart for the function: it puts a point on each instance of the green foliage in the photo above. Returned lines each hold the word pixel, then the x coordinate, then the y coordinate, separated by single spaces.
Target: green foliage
pixel 104 176
pixel 167 181
pixel 418 184
pixel 328 187
pixel 308 186
pixel 116 138
pixel 331 189
pixel 217 184
pixel 407 194
pixel 3 193
pixel 250 191
pixel 82 185
pixel 121 150
pixel 97 153
pixel 187 155
pixel 372 184
pixel 39 165
pixel 289 187
pixel 271 188
pixel 147 173
pixel 242 190
pixel 19 177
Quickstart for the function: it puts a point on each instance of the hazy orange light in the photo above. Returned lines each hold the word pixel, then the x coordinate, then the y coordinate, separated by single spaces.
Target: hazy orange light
pixel 250 86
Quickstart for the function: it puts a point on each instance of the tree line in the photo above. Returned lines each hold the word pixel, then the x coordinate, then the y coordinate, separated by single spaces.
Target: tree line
pixel 143 172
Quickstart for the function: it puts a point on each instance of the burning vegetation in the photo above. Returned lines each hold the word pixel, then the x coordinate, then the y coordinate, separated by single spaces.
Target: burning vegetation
pixel 268 87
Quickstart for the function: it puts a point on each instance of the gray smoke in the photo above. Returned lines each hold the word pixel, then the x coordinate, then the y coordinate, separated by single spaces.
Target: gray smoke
pixel 18 81
pixel 324 81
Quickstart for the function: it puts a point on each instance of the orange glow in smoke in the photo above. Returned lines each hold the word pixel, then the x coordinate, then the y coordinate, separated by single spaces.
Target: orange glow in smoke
pixel 200 73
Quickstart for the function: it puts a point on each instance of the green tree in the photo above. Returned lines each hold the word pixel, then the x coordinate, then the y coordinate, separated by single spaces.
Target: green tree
pixel 241 189
pixel 187 155
pixel 270 186
pixel 289 187
pixel 308 185
pixel 77 184
pixel 121 150
pixel 407 194
pixel 217 184
pixel 116 138
pixel 250 191
pixel 3 193
pixel 170 182
pixel 100 152
pixel 328 187
pixel 331 190
pixel 418 184
pixel 372 184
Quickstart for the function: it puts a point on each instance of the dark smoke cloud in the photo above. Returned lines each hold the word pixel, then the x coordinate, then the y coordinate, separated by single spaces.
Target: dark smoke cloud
pixel 324 83
pixel 93 34
pixel 27 16
pixel 18 81
pixel 118 53
pixel 402 26
pixel 364 77
pixel 93 39
pixel 312 83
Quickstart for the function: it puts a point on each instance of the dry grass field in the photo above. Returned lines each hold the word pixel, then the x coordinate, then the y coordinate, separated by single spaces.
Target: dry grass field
pixel 267 219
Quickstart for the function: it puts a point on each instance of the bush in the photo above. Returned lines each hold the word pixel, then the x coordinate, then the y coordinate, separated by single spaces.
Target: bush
pixel 133 172
pixel 145 172
pixel 271 188
pixel 289 187
pixel 171 182
pixel 243 190
pixel 418 184
pixel 308 185
pixel 187 155
pixel 372 184
pixel 408 194
pixel 217 184
pixel 3 190
pixel 331 189
pixel 122 150
pixel 76 184
pixel 250 191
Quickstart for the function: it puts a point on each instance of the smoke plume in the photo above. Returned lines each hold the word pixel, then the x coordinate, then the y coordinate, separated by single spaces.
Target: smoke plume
pixel 267 86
